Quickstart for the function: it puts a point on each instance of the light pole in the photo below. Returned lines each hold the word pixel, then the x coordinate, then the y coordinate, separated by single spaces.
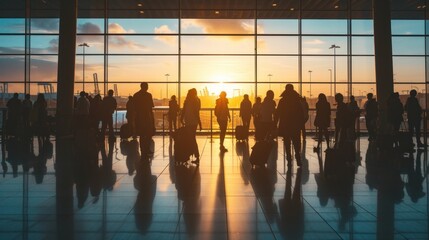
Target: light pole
pixel 269 80
pixel 167 75
pixel 309 71
pixel 333 46
pixel 330 80
pixel 83 45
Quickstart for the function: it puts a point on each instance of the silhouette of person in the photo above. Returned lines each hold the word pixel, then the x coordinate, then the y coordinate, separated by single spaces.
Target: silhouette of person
pixel 82 110
pixel 39 115
pixel 414 112
pixel 96 112
pixel 109 107
pixel 144 121
pixel 290 117
pixel 291 207
pixel 13 114
pixel 371 115
pixel 256 113
pixel 342 122
pixel 266 116
pixel 355 111
pixel 173 110
pixel 222 116
pixel 246 111
pixel 322 120
pixel 305 109
pixel 191 119
pixel 395 110
pixel 130 115
pixel 27 105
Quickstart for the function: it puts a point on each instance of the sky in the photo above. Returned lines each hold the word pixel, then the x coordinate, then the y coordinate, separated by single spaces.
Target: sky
pixel 124 65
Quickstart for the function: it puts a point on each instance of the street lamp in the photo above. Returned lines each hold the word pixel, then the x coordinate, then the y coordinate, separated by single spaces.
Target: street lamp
pixel 309 71
pixel 330 80
pixel 333 46
pixel 83 45
pixel 167 75
pixel 269 80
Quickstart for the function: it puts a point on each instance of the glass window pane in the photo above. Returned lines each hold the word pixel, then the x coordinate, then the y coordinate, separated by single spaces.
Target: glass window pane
pixel 218 45
pixel 320 69
pixel 277 26
pixel 363 45
pixel 12 69
pixel 142 68
pixel 12 25
pixel 95 43
pixel 11 89
pixel 45 25
pixel 43 68
pixel 362 26
pixel 321 45
pixel 50 92
pixel 12 44
pixel 408 45
pixel 136 26
pixel 281 69
pixel 277 45
pixel 90 25
pixel 218 26
pixel 218 69
pixel 409 69
pixel 121 44
pixel 93 64
pixel 323 26
pixel 363 69
pixel 47 44
pixel 408 27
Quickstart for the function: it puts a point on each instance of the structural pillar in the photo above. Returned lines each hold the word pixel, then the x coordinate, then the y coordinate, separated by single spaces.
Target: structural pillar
pixel 64 116
pixel 383 59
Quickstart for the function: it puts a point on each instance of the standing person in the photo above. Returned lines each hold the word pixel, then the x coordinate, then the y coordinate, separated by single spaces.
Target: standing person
pixel 173 110
pixel 13 113
pixel 305 109
pixel 341 120
pixel 82 110
pixel 355 111
pixel 371 109
pixel 191 119
pixel 323 119
pixel 39 115
pixel 290 117
pixel 395 110
pixel 414 115
pixel 96 112
pixel 266 116
pixel 246 111
pixel 145 121
pixel 109 107
pixel 256 112
pixel 223 116
pixel 27 105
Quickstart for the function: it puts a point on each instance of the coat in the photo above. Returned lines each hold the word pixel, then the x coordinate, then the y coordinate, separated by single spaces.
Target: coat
pixel 144 119
pixel 290 114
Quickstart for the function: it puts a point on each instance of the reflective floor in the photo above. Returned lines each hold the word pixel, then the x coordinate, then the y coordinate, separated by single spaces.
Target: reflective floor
pixel 117 196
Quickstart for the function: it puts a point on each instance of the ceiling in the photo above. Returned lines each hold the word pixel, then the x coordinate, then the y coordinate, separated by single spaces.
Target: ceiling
pixel 335 9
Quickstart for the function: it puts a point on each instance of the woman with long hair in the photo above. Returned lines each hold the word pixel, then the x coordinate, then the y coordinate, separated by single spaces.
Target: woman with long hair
pixel 322 120
pixel 191 119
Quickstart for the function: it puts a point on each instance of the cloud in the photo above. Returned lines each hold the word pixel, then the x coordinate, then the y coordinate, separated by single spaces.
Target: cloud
pixel 12 69
pixel 117 28
pixel 46 25
pixel 122 42
pixel 88 28
pixel 164 29
pixel 315 42
pixel 222 26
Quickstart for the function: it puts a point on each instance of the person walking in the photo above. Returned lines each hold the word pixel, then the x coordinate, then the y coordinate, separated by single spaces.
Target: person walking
pixel 342 120
pixel 266 116
pixel 414 115
pixel 305 109
pixel 14 111
pixel 256 112
pixel 96 112
pixel 109 106
pixel 322 120
pixel 246 111
pixel 290 117
pixel 82 111
pixel 223 116
pixel 371 115
pixel 144 120
pixel 27 105
pixel 395 110
pixel 39 115
pixel 355 111
pixel 173 110
pixel 190 118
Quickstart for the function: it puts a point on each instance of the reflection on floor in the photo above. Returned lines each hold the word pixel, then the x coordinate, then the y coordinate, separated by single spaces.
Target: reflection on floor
pixel 117 196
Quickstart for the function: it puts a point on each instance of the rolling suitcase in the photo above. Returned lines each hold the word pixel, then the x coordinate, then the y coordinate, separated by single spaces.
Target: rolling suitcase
pixel 182 144
pixel 261 152
pixel 126 131
pixel 241 133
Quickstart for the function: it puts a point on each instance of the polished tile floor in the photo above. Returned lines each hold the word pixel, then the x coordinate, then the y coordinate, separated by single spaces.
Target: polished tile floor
pixel 224 198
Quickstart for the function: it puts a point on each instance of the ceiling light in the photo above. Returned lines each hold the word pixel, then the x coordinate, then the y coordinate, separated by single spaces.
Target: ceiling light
pixel 217 12
pixel 274 4
pixel 336 6
pixel 418 7
pixel 141 11
pixel 292 9
pixel 140 5
pixel 424 6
